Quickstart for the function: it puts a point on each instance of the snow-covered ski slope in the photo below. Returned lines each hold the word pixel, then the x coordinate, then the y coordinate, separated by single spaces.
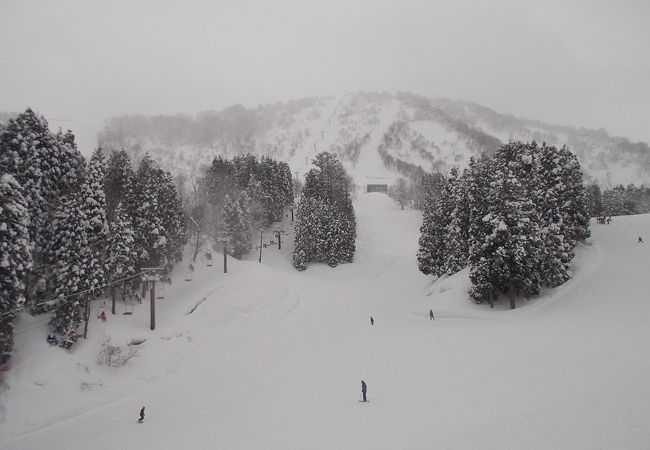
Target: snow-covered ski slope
pixel 273 359
pixel 412 131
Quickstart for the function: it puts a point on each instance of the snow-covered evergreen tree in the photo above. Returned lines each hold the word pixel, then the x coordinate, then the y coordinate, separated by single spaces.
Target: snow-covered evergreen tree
pixel 562 210
pixel 510 254
pixel 613 202
pixel 157 217
pixel 574 207
pixel 457 229
pixel 237 225
pixel 480 176
pixel 150 239
pixel 75 270
pixel 594 199
pixel 52 170
pixel 326 225
pixel 121 256
pixel 173 220
pixel 431 243
pixel 118 182
pixel 47 167
pixel 310 237
pixel 15 258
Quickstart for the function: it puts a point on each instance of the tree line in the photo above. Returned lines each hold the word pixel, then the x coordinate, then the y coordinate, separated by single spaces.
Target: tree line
pixel 238 195
pixel 618 201
pixel 71 227
pixel 513 217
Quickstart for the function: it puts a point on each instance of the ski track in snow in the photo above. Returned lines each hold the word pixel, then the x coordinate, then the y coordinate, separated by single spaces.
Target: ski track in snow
pixel 272 358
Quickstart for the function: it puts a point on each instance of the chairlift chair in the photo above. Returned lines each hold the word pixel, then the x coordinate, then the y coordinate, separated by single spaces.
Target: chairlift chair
pixel 101 308
pixel 160 292
pixel 188 276
pixel 128 308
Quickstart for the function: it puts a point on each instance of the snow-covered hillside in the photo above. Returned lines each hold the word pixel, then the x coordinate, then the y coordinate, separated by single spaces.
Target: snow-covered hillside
pixel 414 133
pixel 265 357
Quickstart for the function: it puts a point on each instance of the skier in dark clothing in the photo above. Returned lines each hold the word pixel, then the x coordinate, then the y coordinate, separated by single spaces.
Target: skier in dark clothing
pixel 431 315
pixel 141 415
pixel 372 321
pixel 364 389
pixel 640 240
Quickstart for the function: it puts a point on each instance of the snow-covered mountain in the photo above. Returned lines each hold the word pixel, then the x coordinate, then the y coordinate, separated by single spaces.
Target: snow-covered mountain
pixel 379 136
pixel 265 357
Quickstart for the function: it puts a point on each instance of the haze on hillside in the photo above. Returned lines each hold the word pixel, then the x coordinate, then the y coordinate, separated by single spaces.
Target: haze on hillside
pixel 584 63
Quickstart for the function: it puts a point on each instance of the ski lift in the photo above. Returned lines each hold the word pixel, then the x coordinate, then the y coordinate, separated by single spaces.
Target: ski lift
pixel 128 308
pixel 188 275
pixel 208 259
pixel 160 292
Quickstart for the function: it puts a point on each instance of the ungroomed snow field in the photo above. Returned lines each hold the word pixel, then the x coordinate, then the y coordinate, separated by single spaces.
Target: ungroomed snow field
pixel 265 357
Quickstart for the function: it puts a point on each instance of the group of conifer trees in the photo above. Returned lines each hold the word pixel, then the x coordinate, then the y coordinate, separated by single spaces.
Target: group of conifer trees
pixel 513 217
pixel 71 227
pixel 618 201
pixel 243 194
pixel 325 229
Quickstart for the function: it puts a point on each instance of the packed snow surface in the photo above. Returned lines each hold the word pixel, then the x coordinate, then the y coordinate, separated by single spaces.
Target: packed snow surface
pixel 265 357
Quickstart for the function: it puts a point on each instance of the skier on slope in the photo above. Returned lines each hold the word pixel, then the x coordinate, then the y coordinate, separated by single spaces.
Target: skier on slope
pixel 640 241
pixel 431 315
pixel 141 419
pixel 372 321
pixel 364 389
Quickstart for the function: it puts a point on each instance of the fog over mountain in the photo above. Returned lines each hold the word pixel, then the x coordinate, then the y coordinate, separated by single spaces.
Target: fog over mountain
pixel 377 135
pixel 582 63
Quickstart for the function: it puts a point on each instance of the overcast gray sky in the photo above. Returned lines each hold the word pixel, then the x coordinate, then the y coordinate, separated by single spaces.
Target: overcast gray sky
pixel 582 63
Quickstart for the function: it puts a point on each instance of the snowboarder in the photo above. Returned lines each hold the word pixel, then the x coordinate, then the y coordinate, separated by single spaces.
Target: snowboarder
pixel 372 321
pixel 102 316
pixel 431 315
pixel 364 389
pixel 640 241
pixel 141 419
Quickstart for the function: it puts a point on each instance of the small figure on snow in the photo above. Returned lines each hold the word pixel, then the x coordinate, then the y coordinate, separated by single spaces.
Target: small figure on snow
pixel 364 389
pixel 431 315
pixel 141 419
pixel 102 316
pixel 640 241
pixel 609 220
pixel 372 321
pixel 191 267
pixel 51 340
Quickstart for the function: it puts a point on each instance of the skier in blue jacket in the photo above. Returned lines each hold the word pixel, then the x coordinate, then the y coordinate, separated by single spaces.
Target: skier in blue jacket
pixel 364 389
